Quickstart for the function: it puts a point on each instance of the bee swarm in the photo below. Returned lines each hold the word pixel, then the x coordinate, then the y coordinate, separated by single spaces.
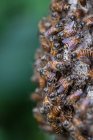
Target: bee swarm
pixel 64 71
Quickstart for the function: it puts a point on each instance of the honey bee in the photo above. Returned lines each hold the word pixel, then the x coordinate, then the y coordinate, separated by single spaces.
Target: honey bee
pixel 51 78
pixel 72 42
pixel 69 29
pixel 57 27
pixel 39 118
pixel 82 2
pixel 78 136
pixel 77 122
pixel 47 104
pixel 90 74
pixel 79 13
pixel 36 97
pixel 83 53
pixel 89 21
pixel 46 128
pixel 45 43
pixel 59 6
pixel 54 113
pixel 53 51
pixel 50 31
pixel 44 24
pixel 42 82
pixel 55 65
pixel 59 56
pixel 84 106
pixel 56 128
pixel 69 127
pixel 73 131
pixel 64 85
pixel 71 99
pixel 69 32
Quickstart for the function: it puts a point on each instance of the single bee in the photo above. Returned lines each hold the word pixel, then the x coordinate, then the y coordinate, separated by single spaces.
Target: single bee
pixel 83 107
pixel 51 78
pixel 55 17
pixel 57 27
pixel 59 6
pixel 47 104
pixel 42 82
pixel 73 131
pixel 89 21
pixel 44 24
pixel 64 85
pixel 90 73
pixel 78 136
pixel 53 51
pixel 45 43
pixel 50 31
pixel 79 13
pixel 57 129
pixel 54 113
pixel 42 71
pixel 46 128
pixel 59 56
pixel 39 118
pixel 36 97
pixel 78 123
pixel 71 99
pixel 55 65
pixel 69 29
pixel 82 2
pixel 69 127
pixel 83 53
pixel 72 42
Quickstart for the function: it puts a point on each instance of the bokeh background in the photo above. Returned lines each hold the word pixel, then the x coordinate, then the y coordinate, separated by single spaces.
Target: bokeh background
pixel 18 43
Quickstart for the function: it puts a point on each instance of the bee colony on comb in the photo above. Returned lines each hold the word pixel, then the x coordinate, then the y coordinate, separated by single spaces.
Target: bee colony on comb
pixel 64 71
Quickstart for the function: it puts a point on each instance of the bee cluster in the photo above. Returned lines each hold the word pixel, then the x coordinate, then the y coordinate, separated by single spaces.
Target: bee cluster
pixel 64 71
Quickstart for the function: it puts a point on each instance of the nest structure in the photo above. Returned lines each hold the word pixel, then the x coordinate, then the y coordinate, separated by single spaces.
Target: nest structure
pixel 64 71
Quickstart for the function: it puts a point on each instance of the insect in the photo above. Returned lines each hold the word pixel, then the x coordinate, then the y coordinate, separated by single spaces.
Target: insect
pixel 45 43
pixel 64 85
pixel 56 128
pixel 50 31
pixel 83 107
pixel 59 56
pixel 47 104
pixel 88 21
pixel 69 127
pixel 69 29
pixel 73 131
pixel 59 6
pixel 72 42
pixel 39 118
pixel 54 113
pixel 82 2
pixel 42 82
pixel 83 53
pixel 79 13
pixel 71 99
pixel 44 24
pixel 55 65
pixel 46 128
pixel 51 78
pixel 36 97
pixel 78 123
pixel 90 74
pixel 53 51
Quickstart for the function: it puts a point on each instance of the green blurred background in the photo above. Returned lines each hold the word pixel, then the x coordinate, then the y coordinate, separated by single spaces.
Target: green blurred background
pixel 18 43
